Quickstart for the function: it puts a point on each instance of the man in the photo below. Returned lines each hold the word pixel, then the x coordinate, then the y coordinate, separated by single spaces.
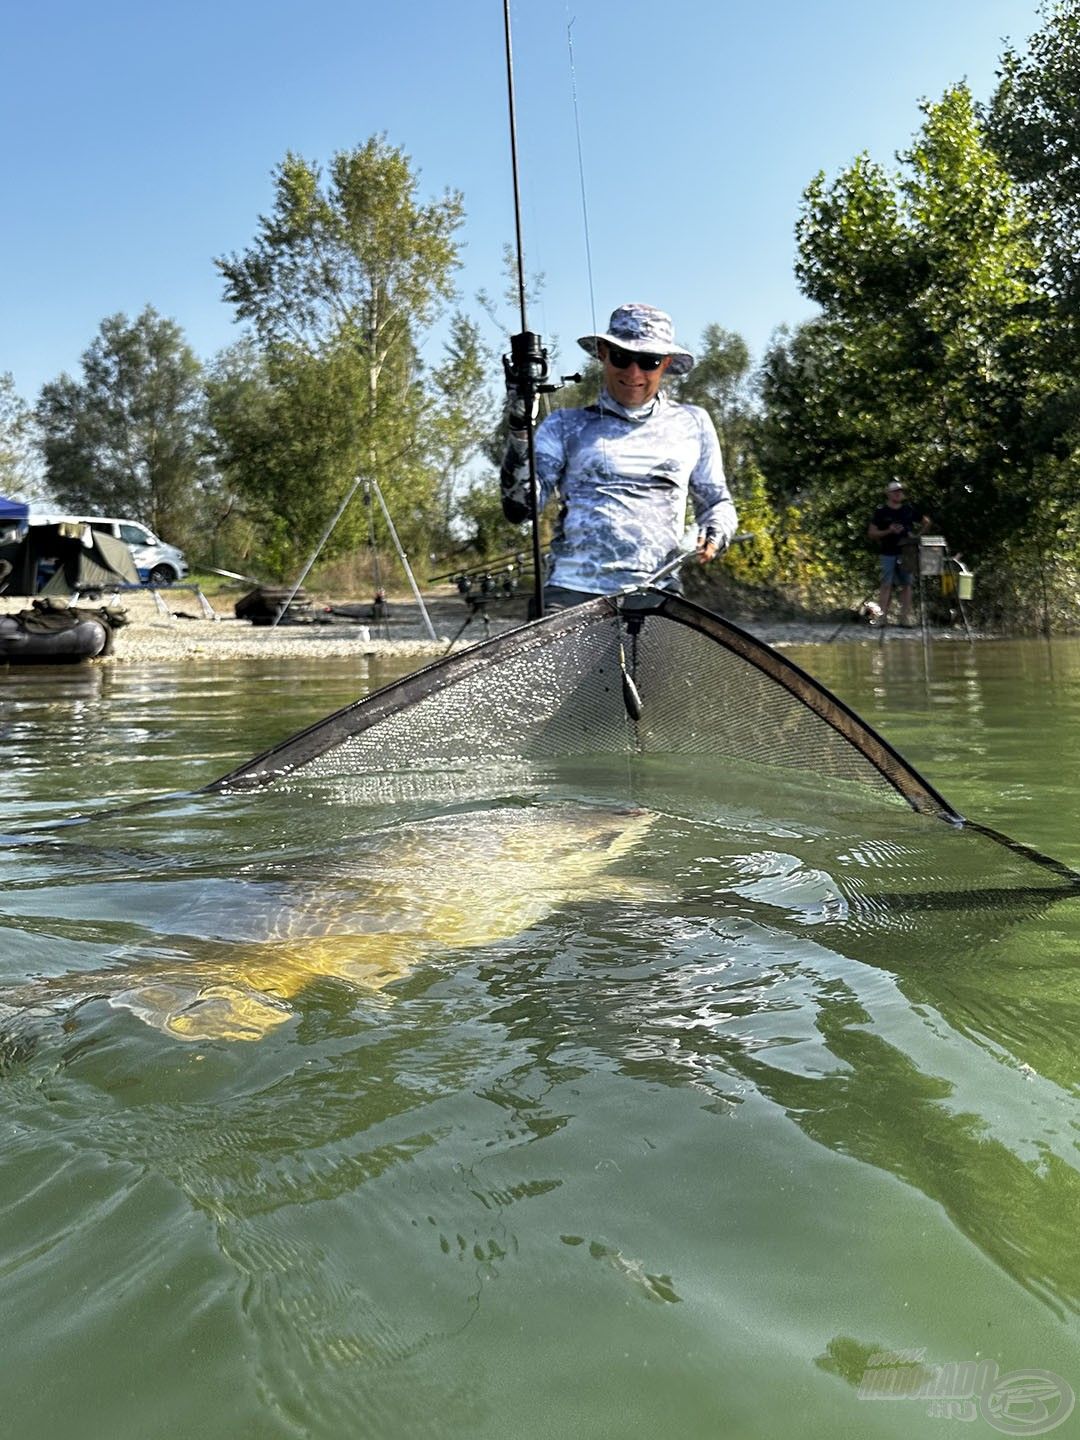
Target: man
pixel 894 524
pixel 623 468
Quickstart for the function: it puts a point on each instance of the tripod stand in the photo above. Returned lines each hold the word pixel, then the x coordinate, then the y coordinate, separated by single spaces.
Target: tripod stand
pixel 478 606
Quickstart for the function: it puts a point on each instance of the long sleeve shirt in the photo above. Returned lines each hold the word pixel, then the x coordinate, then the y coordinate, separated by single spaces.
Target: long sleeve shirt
pixel 623 478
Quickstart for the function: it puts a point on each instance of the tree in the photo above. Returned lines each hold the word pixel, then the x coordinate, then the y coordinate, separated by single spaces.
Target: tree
pixel 130 437
pixel 1033 121
pixel 357 259
pixel 19 472
pixel 463 415
pixel 925 362
pixel 287 432
pixel 343 279
pixel 719 384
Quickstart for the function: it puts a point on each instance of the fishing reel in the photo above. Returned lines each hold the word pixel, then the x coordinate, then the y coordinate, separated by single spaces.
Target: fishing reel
pixel 527 372
pixel 480 588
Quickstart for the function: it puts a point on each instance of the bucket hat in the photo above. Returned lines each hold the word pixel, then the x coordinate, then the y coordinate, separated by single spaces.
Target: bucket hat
pixel 644 329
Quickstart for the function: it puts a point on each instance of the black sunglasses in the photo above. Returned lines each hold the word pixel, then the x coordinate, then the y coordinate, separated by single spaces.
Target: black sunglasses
pixel 622 359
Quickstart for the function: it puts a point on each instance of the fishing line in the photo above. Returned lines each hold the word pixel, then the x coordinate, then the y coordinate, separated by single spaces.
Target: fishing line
pixel 631 695
pixel 581 175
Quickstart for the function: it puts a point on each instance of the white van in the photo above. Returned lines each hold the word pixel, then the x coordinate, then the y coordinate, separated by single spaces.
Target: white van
pixel 156 562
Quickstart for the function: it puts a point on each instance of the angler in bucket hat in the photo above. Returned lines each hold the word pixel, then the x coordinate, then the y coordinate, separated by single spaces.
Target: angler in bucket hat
pixel 644 330
pixel 623 468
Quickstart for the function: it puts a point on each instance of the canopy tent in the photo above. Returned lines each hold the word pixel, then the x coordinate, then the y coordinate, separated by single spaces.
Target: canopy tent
pixel 13 512
pixel 62 559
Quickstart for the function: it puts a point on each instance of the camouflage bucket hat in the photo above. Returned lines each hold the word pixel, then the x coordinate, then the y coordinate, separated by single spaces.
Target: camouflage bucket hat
pixel 642 328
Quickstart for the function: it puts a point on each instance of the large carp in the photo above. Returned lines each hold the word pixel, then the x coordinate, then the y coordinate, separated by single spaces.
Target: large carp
pixel 451 883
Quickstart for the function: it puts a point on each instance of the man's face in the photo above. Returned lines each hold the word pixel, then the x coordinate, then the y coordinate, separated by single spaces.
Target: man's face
pixel 895 498
pixel 629 383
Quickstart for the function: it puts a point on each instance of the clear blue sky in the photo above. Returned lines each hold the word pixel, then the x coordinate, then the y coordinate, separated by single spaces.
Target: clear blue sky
pixel 140 140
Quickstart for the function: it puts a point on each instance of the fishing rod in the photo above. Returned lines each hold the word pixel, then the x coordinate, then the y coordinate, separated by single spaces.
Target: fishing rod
pixel 512 560
pixel 526 367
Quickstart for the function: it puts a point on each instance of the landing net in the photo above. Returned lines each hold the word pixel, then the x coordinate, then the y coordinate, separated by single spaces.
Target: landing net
pixel 554 689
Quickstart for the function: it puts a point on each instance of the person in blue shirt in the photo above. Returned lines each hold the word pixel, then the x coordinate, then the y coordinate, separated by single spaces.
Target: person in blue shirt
pixel 622 469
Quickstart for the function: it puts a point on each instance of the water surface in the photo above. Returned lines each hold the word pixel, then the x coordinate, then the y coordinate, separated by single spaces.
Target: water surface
pixel 681 1138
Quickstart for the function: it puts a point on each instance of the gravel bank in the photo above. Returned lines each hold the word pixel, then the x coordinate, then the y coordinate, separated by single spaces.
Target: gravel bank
pixel 181 632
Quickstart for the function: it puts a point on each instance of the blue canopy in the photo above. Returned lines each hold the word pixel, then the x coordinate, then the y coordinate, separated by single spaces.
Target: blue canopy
pixel 13 512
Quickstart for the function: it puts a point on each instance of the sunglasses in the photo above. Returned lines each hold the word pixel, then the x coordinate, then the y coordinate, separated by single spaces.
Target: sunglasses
pixel 623 359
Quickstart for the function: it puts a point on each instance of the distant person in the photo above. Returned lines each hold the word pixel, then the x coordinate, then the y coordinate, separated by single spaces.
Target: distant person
pixel 893 525
pixel 622 468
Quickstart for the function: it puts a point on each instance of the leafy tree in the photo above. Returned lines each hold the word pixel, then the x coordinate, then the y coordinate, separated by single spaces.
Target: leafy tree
pixel 463 415
pixel 130 437
pixel 487 531
pixel 355 259
pixel 1034 122
pixel 925 360
pixel 344 277
pixel 19 472
pixel 290 491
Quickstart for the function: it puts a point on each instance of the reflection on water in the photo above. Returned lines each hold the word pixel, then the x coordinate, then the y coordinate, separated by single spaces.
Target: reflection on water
pixel 647 1127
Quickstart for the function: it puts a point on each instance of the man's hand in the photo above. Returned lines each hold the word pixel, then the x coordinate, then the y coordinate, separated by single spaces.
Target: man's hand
pixel 517 414
pixel 708 547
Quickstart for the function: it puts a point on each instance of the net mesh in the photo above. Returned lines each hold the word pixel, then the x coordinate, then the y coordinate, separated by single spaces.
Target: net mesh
pixel 710 700
pixel 555 690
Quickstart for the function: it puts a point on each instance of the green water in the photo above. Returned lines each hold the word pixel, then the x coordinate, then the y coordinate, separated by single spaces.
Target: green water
pixel 682 1147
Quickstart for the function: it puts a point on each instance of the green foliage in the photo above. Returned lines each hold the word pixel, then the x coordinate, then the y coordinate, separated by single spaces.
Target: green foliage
pixel 754 561
pixel 1034 123
pixel 719 384
pixel 804 567
pixel 926 361
pixel 19 472
pixel 355 259
pixel 130 437
pixel 487 531
pixel 291 440
pixel 462 417
pixel 341 282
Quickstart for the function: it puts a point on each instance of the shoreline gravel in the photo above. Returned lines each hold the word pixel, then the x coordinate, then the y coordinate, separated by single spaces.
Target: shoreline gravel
pixel 178 631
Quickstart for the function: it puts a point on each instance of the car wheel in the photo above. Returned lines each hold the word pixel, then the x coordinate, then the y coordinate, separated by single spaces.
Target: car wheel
pixel 161 575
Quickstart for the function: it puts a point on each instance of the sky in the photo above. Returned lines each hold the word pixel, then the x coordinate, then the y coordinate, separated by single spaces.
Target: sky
pixel 140 141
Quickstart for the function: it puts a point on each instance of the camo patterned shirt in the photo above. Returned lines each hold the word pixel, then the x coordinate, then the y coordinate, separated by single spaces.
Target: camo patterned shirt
pixel 623 478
